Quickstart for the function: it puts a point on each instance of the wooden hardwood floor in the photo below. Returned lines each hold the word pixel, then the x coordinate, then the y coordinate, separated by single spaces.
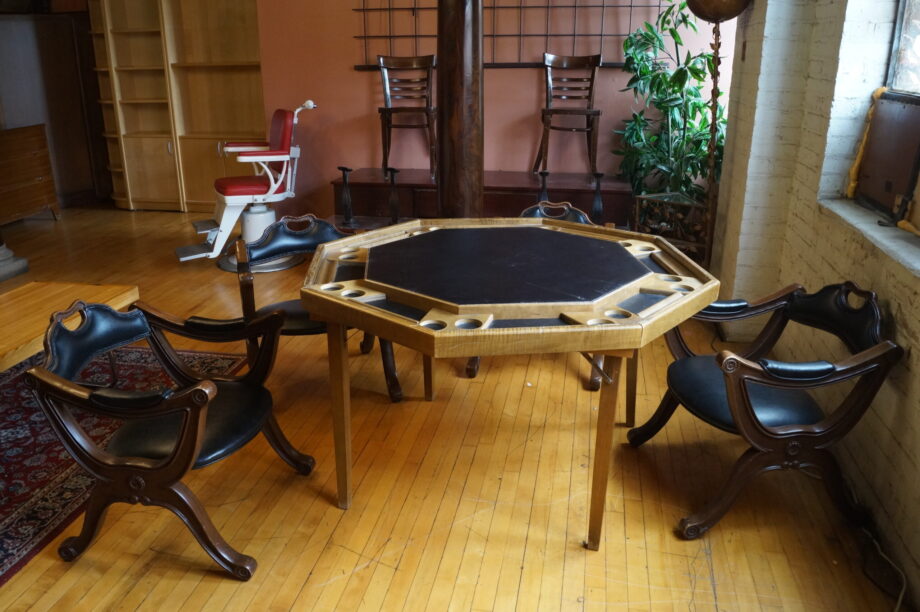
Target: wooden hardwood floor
pixel 476 501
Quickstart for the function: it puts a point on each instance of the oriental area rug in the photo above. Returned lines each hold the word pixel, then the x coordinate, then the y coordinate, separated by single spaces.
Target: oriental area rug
pixel 42 489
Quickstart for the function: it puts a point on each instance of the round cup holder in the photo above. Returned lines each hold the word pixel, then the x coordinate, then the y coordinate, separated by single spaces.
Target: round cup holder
pixel 669 279
pixel 352 293
pixel 348 257
pixel 646 249
pixel 433 324
pixel 682 288
pixel 349 250
pixel 616 314
pixel 332 287
pixel 599 321
pixel 626 244
pixel 468 323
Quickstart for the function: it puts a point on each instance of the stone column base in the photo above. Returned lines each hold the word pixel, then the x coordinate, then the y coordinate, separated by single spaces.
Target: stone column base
pixel 10 265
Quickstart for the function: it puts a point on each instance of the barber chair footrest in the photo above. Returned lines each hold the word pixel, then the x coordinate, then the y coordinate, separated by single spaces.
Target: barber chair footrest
pixel 194 251
pixel 205 226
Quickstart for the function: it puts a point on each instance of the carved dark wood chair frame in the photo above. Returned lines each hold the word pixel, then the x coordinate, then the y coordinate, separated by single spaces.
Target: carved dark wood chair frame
pixel 415 91
pixel 576 83
pixel 786 445
pixel 281 240
pixel 191 412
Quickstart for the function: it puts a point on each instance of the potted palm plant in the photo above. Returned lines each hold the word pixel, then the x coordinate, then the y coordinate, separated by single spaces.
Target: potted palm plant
pixel 665 145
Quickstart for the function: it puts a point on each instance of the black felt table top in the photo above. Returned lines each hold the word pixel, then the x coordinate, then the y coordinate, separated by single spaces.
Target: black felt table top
pixel 504 265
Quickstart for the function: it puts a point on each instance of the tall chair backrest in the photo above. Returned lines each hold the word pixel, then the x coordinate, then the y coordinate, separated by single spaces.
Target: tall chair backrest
pixel 407 80
pixel 101 329
pixel 830 310
pixel 281 134
pixel 563 211
pixel 570 79
pixel 280 239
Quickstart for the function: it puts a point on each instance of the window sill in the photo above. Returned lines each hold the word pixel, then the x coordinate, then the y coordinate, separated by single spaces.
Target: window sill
pixel 901 246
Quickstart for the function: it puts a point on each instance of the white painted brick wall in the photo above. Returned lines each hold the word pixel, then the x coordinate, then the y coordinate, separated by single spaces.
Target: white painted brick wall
pixel 798 106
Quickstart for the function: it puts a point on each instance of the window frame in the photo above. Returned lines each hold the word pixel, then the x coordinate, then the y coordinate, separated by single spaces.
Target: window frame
pixel 896 48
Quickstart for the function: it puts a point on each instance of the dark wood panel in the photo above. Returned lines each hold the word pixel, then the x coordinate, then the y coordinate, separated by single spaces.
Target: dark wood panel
pixel 506 194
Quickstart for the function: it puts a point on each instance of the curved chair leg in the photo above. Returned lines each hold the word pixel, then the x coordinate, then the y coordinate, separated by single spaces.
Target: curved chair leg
pixel 367 343
pixel 432 144
pixel 632 379
pixel 96 507
pixel 472 367
pixel 749 465
pixel 252 350
pixel 385 135
pixel 183 502
pixel 642 434
pixel 837 487
pixel 301 462
pixel 594 380
pixel 592 142
pixel 542 151
pixel 389 371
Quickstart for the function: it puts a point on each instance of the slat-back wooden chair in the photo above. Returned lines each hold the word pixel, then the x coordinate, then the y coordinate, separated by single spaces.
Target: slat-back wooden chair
pixel 570 93
pixel 407 90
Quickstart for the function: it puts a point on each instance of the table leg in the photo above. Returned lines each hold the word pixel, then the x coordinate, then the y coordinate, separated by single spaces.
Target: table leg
pixel 606 414
pixel 632 376
pixel 340 392
pixel 428 369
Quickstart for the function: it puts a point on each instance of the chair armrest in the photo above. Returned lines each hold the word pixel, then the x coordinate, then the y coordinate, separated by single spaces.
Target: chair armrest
pixel 811 374
pixel 240 147
pixel 805 370
pixel 119 404
pixel 262 332
pixel 213 330
pixel 263 156
pixel 733 310
pixel 869 369
pixel 114 399
pixel 215 326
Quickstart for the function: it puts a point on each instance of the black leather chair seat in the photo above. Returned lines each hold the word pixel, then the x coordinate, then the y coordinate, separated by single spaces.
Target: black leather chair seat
pixel 297 321
pixel 235 417
pixel 699 385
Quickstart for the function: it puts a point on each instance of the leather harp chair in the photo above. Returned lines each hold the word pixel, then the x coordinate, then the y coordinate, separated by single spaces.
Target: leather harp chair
pixel 165 433
pixel 281 240
pixel 767 403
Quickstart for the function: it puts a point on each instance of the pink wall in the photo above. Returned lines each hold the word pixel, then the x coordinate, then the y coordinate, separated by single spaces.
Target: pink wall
pixel 308 51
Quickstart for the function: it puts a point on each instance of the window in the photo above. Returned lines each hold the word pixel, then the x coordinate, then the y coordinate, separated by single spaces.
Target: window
pixel 904 71
pixel 889 169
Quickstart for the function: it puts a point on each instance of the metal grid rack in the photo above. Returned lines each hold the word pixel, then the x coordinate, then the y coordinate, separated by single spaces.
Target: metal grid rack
pixel 515 32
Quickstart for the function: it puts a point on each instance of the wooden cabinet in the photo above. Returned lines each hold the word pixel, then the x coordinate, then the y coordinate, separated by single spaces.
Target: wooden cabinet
pixel 203 160
pixel 150 163
pixel 177 77
pixel 26 182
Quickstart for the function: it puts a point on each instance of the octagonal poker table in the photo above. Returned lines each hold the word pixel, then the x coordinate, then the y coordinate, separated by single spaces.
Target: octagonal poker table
pixel 475 287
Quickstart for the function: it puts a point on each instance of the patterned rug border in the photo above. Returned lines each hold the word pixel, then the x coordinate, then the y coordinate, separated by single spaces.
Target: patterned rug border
pixel 74 507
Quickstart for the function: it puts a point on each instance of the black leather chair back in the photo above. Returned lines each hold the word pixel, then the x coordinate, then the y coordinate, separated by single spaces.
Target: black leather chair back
pixel 562 211
pixel 280 240
pixel 830 310
pixel 101 329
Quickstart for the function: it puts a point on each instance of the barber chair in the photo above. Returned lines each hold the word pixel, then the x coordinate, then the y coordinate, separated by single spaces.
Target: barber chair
pixel 275 165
